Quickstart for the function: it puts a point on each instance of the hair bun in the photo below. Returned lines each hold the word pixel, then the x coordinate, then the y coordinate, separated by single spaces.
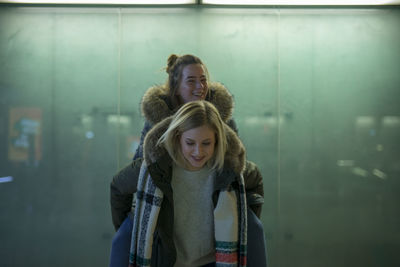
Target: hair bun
pixel 171 62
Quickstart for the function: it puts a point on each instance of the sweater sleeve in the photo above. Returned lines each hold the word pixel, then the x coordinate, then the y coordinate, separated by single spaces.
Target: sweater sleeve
pixel 122 188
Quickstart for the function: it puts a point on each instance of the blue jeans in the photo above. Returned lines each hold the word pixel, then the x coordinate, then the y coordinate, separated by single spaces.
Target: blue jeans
pixel 121 244
pixel 256 244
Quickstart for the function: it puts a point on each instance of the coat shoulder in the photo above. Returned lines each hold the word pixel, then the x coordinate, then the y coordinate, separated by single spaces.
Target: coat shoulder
pixel 154 105
pixel 222 100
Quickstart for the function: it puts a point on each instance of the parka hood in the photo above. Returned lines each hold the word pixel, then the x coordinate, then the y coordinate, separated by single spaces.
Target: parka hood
pixel 155 105
pixel 234 155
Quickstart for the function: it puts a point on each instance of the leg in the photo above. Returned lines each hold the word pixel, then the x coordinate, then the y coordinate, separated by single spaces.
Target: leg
pixel 256 245
pixel 121 244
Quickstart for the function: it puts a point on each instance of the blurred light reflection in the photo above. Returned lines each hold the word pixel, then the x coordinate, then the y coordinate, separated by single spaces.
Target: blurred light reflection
pixel 345 163
pixel 6 179
pixel 391 121
pixel 380 174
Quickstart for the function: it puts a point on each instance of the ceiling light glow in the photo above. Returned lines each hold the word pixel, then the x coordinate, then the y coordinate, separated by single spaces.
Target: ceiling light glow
pixel 302 2
pixel 213 2
pixel 103 2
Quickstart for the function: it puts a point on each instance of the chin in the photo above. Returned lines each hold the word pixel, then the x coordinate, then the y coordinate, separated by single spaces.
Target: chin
pixel 197 166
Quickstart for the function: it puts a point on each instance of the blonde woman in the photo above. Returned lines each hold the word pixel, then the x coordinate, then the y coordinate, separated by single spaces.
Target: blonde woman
pixel 191 205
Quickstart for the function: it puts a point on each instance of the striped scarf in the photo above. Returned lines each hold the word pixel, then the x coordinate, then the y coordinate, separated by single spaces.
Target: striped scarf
pixel 230 222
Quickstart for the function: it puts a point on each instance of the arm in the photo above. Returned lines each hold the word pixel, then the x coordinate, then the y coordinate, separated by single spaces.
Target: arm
pixel 123 185
pixel 253 180
pixel 122 188
pixel 231 123
pixel 139 151
pixel 254 187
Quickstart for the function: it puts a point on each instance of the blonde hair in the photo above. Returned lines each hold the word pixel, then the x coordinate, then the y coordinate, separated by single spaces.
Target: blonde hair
pixel 175 65
pixel 192 115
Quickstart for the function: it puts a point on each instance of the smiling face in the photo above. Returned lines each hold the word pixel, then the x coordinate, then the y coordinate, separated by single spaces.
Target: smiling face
pixel 197 146
pixel 193 85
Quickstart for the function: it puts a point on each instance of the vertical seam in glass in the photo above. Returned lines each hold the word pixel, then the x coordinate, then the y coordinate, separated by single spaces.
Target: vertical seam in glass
pixel 279 115
pixel 119 87
pixel 53 97
pixel 278 146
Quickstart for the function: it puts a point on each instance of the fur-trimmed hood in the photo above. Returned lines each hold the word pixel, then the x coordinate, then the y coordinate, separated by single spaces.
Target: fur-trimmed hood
pixel 155 105
pixel 234 155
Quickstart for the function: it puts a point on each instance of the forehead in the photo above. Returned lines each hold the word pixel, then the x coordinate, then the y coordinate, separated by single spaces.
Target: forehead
pixel 200 133
pixel 193 70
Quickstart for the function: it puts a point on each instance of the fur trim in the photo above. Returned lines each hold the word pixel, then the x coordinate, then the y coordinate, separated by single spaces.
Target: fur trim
pixel 151 151
pixel 222 99
pixel 234 156
pixel 155 108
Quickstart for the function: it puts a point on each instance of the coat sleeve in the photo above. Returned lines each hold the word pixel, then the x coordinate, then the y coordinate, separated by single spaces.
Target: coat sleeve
pixel 122 188
pixel 139 151
pixel 232 123
pixel 254 187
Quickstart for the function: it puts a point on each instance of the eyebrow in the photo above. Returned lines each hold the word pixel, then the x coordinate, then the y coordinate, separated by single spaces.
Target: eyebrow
pixel 190 139
pixel 191 77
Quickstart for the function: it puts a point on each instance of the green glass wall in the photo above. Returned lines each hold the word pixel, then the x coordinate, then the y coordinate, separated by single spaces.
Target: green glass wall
pixel 317 94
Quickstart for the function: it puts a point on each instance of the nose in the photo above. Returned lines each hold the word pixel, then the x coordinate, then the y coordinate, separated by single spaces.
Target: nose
pixel 197 150
pixel 199 85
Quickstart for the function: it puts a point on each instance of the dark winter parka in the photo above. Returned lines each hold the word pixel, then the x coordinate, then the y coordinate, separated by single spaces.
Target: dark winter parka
pixel 156 106
pixel 159 165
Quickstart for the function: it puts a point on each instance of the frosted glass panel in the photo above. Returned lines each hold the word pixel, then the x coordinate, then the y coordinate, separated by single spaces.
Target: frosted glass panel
pixel 316 103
